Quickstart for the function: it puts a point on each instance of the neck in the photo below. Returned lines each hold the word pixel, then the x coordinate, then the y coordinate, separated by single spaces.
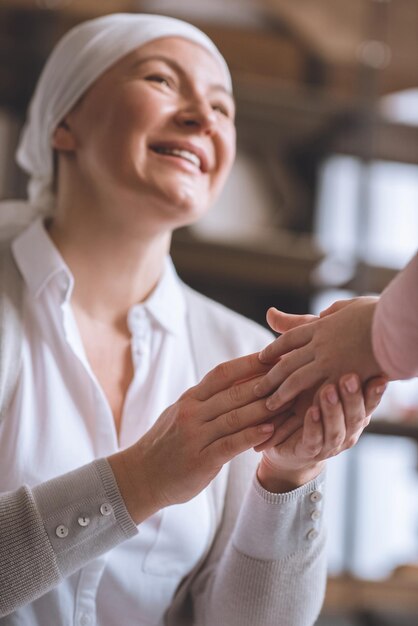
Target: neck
pixel 115 262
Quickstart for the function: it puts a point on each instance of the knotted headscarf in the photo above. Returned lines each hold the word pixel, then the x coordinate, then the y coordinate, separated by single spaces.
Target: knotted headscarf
pixel 81 56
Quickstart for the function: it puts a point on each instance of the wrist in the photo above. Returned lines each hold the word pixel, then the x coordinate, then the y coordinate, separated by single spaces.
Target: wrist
pixel 133 485
pixel 280 480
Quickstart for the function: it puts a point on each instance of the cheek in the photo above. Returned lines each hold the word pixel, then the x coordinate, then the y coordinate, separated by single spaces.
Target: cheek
pixel 140 107
pixel 226 156
pixel 123 136
pixel 229 141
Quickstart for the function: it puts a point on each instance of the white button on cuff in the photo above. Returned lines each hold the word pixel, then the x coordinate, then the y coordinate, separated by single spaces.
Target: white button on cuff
pixel 83 520
pixel 315 515
pixel 316 496
pixel 61 531
pixel 105 509
pixel 312 534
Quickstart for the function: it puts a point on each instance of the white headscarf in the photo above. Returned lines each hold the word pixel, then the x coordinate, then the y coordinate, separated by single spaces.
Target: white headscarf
pixel 81 56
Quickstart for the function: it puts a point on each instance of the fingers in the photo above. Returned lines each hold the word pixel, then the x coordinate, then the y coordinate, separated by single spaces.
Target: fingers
pixel 333 421
pixel 236 420
pixel 374 390
pixel 343 414
pixel 226 374
pixel 226 448
pixel 282 322
pixel 284 427
pixel 305 377
pixel 228 399
pixel 354 410
pixel 313 434
pixel 281 371
pixel 286 343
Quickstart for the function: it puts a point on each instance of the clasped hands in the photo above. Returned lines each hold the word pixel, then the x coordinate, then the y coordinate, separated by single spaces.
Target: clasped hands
pixel 325 361
pixel 227 413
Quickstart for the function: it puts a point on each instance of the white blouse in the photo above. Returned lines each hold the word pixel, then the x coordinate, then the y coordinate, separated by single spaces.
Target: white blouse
pixel 60 419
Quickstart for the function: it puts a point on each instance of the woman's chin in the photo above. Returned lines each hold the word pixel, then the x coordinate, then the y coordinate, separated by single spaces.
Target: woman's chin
pixel 185 202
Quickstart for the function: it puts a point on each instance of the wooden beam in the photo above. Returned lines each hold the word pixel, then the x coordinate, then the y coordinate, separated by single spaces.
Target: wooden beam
pixel 281 261
pixel 391 141
pixel 397 594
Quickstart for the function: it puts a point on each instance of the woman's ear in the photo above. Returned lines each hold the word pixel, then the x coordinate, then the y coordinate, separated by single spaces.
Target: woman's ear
pixel 63 138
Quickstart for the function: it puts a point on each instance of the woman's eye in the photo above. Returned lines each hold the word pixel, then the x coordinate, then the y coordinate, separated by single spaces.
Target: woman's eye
pixel 220 108
pixel 157 78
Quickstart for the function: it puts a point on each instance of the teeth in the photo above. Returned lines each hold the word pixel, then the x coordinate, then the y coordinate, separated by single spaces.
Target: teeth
pixel 184 154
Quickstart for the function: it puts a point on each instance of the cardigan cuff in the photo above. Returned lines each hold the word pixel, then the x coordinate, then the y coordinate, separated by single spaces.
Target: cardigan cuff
pixel 272 526
pixel 83 514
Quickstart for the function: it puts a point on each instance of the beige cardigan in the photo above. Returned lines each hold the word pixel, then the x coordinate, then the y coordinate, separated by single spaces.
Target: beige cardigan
pixel 232 585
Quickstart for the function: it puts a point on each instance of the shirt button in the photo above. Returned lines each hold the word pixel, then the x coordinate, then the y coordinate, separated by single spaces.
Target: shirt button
pixel 316 496
pixel 83 520
pixel 315 515
pixel 312 534
pixel 105 509
pixel 61 531
pixel 84 619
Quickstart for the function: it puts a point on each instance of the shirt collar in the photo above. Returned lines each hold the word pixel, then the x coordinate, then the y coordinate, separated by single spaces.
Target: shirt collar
pixel 39 260
pixel 167 304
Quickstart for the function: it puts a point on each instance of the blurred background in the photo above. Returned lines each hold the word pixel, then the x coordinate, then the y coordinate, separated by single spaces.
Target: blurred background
pixel 322 204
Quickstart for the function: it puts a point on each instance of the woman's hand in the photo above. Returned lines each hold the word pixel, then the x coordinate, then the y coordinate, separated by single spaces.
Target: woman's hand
pixel 193 438
pixel 296 452
pixel 315 350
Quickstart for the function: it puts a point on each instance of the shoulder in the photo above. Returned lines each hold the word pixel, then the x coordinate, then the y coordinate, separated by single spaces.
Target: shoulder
pixel 240 333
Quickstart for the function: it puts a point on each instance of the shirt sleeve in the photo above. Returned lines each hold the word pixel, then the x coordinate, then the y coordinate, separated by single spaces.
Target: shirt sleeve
pixel 271 569
pixel 395 325
pixel 54 529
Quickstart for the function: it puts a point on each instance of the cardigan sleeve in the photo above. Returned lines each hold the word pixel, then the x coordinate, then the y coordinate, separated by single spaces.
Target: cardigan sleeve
pixel 52 530
pixel 268 562
pixel 395 325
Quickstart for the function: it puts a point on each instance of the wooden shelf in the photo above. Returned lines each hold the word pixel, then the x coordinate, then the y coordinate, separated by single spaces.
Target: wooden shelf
pixel 396 594
pixel 393 428
pixel 277 261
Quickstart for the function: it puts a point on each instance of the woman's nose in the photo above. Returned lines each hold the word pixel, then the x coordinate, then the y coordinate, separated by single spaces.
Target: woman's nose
pixel 198 115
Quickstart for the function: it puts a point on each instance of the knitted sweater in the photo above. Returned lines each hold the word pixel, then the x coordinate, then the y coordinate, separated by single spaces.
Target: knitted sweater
pixel 229 586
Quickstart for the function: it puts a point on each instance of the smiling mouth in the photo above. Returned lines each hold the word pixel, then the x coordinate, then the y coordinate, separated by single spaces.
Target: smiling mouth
pixel 180 153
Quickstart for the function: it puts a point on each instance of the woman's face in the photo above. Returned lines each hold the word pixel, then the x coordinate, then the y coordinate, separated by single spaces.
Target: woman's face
pixel 159 127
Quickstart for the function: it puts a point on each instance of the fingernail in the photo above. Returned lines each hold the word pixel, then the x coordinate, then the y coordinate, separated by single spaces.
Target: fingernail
pixel 351 384
pixel 257 390
pixel 379 391
pixel 271 404
pixel 331 395
pixel 266 428
pixel 315 415
pixel 261 355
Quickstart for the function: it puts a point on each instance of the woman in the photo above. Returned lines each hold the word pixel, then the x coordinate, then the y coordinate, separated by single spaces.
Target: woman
pixel 133 512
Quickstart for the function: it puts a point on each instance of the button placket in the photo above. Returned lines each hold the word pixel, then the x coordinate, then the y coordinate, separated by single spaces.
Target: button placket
pixel 314 514
pixel 85 600
pixel 84 619
pixel 139 327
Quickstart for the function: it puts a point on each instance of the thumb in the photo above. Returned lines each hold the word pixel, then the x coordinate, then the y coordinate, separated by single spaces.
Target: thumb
pixel 280 322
